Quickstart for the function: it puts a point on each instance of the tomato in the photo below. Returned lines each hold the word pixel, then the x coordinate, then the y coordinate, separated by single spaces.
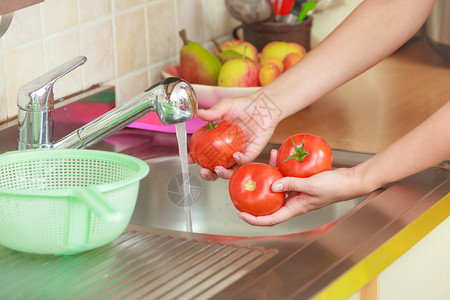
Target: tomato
pixel 250 189
pixel 303 155
pixel 214 144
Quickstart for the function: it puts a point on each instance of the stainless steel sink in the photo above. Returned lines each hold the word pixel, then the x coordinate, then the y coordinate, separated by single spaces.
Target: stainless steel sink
pixel 160 204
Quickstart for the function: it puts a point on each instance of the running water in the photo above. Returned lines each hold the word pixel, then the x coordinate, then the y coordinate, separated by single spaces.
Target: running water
pixel 182 149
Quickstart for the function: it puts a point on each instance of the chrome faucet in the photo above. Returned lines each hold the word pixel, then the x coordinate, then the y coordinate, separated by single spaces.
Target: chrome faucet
pixel 173 99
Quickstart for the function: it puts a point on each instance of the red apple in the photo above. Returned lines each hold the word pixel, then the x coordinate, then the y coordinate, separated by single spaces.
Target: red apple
pixel 239 72
pixel 268 73
pixel 281 49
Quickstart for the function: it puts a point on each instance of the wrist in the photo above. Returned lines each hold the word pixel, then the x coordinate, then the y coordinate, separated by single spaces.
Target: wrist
pixel 364 179
pixel 265 111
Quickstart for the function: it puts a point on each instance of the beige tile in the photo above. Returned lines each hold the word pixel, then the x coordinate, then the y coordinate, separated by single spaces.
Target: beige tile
pixel 59 49
pixel 161 32
pixel 23 64
pixel 59 15
pixel 130 41
pixel 92 10
pixel 130 85
pixel 125 4
pixel 3 102
pixel 190 18
pixel 25 26
pixel 218 21
pixel 97 45
pixel 154 72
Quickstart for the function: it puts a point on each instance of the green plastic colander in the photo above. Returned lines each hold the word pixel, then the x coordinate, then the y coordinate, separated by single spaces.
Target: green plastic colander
pixel 64 201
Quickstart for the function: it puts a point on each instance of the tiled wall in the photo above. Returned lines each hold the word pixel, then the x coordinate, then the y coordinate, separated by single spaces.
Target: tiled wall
pixel 127 42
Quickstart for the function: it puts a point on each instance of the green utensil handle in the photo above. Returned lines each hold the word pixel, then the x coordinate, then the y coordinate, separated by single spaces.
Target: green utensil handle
pixel 94 200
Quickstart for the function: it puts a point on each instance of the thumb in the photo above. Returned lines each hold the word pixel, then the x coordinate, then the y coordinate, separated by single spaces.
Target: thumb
pixel 291 184
pixel 217 111
pixel 209 114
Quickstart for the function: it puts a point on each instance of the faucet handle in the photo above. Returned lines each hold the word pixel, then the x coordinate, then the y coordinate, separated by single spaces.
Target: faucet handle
pixel 35 104
pixel 40 90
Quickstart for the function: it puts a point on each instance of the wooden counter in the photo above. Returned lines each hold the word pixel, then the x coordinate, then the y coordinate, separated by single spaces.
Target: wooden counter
pixel 379 106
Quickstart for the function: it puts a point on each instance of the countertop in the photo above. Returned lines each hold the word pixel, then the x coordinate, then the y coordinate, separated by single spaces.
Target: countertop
pixel 378 107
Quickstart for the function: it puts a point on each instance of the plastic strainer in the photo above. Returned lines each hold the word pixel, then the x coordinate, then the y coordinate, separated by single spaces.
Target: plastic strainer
pixel 64 201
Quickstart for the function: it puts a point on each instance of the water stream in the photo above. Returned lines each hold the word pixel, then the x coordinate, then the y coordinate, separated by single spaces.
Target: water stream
pixel 182 149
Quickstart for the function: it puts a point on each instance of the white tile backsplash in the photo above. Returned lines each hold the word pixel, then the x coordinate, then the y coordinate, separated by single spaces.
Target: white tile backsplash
pixel 217 20
pixel 23 64
pixel 126 4
pixel 25 26
pixel 129 35
pixel 59 15
pixel 161 33
pixel 191 19
pixel 93 10
pixel 127 42
pixel 130 85
pixel 59 48
pixel 97 45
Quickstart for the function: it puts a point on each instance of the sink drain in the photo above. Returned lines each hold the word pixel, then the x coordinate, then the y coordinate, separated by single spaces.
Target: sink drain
pixel 176 194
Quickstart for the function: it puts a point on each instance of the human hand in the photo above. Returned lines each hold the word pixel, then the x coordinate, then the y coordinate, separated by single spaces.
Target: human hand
pixel 306 194
pixel 256 115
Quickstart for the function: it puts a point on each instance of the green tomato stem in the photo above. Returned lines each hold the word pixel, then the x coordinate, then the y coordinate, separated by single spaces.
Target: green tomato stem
pixel 300 153
pixel 211 125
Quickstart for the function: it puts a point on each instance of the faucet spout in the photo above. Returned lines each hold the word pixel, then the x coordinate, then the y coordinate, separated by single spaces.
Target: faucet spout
pixel 173 99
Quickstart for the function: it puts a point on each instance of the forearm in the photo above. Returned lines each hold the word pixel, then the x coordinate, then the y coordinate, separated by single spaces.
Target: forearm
pixel 423 147
pixel 374 30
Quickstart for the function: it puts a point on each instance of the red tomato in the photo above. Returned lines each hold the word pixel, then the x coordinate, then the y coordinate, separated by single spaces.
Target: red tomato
pixel 214 144
pixel 250 189
pixel 303 155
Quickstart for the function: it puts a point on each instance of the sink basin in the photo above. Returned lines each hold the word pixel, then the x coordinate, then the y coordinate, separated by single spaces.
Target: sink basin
pixel 160 204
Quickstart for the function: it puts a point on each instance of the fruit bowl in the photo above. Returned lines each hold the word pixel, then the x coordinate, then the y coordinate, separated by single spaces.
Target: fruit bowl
pixel 208 95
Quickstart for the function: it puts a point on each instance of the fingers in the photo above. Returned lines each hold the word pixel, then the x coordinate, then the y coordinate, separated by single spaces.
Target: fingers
pixel 208 175
pixel 224 173
pixel 219 172
pixel 295 205
pixel 208 115
pixel 281 215
pixel 190 159
pixel 217 111
pixel 291 184
pixel 273 158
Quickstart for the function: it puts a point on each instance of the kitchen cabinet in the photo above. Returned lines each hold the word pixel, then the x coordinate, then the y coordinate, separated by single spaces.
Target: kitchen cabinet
pixel 423 272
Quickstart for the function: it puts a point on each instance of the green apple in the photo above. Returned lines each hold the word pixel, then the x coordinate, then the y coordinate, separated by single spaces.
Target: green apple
pixel 242 47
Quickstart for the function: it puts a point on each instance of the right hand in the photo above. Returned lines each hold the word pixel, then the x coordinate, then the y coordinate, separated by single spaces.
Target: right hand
pixel 307 194
pixel 257 116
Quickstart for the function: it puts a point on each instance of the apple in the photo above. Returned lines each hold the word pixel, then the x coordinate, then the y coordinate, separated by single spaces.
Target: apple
pixel 272 60
pixel 239 72
pixel 281 49
pixel 291 59
pixel 243 47
pixel 268 73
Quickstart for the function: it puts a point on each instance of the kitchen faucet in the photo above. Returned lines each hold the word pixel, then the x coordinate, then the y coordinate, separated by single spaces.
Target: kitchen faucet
pixel 173 99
